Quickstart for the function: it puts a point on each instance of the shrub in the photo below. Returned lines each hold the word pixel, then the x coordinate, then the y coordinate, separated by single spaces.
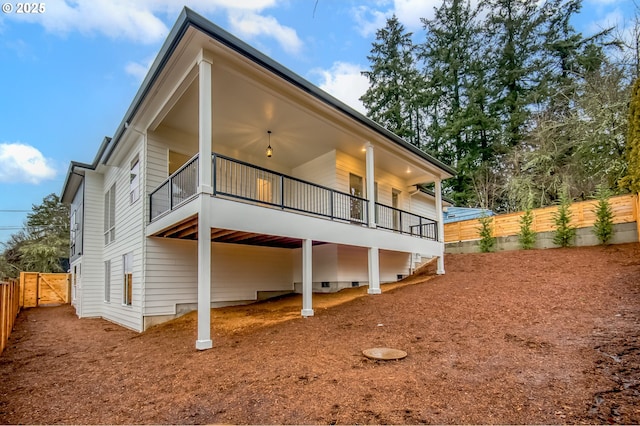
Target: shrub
pixel 603 226
pixel 487 240
pixel 564 233
pixel 527 236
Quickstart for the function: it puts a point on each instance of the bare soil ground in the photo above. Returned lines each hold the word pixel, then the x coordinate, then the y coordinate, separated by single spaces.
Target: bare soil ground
pixel 549 336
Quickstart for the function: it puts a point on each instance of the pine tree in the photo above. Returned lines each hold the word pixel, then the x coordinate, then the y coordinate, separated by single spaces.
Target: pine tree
pixel 564 233
pixel 631 181
pixel 394 84
pixel 43 245
pixel 456 100
pixel 514 28
pixel 603 226
pixel 527 236
pixel 487 240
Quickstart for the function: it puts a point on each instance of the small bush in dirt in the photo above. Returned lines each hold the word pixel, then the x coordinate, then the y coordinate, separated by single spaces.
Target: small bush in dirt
pixel 603 226
pixel 565 233
pixel 527 236
pixel 487 240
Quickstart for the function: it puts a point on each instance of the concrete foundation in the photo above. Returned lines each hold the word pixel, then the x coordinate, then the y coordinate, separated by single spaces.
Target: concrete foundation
pixel 622 233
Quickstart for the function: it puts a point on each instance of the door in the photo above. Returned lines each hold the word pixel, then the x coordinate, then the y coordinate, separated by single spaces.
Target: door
pixel 355 189
pixel 76 287
pixel 395 202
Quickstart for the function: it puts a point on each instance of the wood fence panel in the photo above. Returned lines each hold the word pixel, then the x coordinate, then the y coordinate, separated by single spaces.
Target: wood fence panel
pixel 29 285
pixel 53 288
pixel 625 210
pixel 9 308
pixel 44 288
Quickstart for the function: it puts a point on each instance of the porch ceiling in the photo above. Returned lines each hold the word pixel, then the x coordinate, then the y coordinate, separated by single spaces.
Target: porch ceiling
pixel 188 230
pixel 247 101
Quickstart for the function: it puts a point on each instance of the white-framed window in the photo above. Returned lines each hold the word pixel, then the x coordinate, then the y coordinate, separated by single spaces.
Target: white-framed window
pixel 72 232
pixel 127 284
pixel 110 215
pixel 107 281
pixel 134 181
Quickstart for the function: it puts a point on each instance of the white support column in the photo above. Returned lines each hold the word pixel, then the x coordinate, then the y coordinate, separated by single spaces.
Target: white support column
pixel 204 188
pixel 371 196
pixel 205 126
pixel 374 271
pixel 204 276
pixel 440 219
pixel 307 278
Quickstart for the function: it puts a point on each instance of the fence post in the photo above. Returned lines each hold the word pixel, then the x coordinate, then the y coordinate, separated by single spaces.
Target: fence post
pixel 4 315
pixel 636 213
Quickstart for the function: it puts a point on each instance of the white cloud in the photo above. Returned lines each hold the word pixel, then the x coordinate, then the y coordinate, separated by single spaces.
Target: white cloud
pixel 118 19
pixel 604 2
pixel 126 19
pixel 139 70
pixel 249 25
pixel 372 16
pixel 409 12
pixel 23 163
pixel 615 18
pixel 345 82
pixel 369 20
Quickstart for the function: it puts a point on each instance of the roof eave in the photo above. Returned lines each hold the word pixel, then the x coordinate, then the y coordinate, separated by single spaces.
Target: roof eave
pixel 189 18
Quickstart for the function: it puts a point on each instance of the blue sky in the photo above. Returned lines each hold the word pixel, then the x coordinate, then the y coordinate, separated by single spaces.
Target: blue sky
pixel 68 75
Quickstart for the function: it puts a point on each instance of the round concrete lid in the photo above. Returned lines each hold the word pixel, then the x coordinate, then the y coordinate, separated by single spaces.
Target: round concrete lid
pixel 384 354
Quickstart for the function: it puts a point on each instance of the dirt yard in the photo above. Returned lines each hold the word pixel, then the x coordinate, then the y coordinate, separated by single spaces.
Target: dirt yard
pixel 548 336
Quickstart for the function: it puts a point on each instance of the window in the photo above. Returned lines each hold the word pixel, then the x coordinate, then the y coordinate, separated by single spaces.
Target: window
pixel 176 160
pixel 72 232
pixel 107 281
pixel 127 288
pixel 110 215
pixel 134 181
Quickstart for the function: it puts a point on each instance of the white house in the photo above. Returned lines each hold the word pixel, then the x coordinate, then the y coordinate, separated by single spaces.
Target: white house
pixel 229 179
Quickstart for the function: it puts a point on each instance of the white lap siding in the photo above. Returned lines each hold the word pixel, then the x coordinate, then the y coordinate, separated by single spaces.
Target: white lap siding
pixel 238 272
pixel 91 280
pixel 335 263
pixel 129 220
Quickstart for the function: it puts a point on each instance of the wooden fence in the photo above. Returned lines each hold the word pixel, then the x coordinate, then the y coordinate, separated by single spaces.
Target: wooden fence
pixel 9 308
pixel 625 208
pixel 38 289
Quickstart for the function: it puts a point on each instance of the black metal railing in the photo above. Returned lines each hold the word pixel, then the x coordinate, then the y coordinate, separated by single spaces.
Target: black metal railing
pixel 243 181
pixel 237 179
pixel 405 222
pixel 178 188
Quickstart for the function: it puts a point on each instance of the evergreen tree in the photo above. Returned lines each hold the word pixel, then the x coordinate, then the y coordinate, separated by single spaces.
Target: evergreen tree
pixel 631 181
pixel 527 236
pixel 456 100
pixel 564 233
pixel 487 240
pixel 603 226
pixel 43 245
pixel 514 28
pixel 394 83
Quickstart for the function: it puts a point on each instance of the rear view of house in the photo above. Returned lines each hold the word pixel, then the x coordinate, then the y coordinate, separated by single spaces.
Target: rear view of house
pixel 231 178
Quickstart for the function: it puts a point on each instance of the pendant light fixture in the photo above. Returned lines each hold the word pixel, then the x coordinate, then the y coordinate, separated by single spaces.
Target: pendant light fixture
pixel 269 149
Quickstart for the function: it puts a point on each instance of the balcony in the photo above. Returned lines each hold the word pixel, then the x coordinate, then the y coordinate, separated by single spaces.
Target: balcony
pixel 248 183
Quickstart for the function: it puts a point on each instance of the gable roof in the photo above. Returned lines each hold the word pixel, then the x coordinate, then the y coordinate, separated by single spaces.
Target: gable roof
pixel 190 19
